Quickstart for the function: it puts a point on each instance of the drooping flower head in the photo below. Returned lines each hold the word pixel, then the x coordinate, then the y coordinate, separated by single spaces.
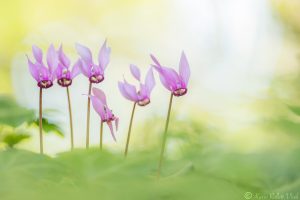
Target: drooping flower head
pixel 44 75
pixel 175 82
pixel 100 105
pixel 63 72
pixel 129 91
pixel 95 72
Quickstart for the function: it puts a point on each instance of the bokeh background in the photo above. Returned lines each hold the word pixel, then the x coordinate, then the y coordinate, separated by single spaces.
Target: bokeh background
pixel 244 86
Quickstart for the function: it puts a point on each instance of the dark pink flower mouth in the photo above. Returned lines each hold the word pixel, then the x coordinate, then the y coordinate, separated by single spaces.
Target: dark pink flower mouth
pixel 45 84
pixel 64 82
pixel 180 92
pixel 96 78
pixel 144 102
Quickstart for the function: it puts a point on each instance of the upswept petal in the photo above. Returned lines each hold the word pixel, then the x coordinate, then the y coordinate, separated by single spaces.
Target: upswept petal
pixel 52 58
pixel 184 69
pixel 76 69
pixel 150 81
pixel 103 56
pixel 128 91
pixel 155 60
pixel 98 106
pixel 100 95
pixel 167 76
pixel 59 71
pixel 63 58
pixel 85 53
pixel 135 71
pixel 84 68
pixel 34 71
pixel 37 53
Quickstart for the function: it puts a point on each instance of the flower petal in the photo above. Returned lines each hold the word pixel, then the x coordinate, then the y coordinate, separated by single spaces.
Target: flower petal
pixel 155 60
pixel 103 56
pixel 85 53
pixel 52 58
pixel 117 123
pixel 168 77
pixel 84 68
pixel 59 71
pixel 100 95
pixel 128 91
pixel 76 69
pixel 98 107
pixel 33 70
pixel 135 71
pixel 150 81
pixel 184 69
pixel 37 53
pixel 111 130
pixel 63 58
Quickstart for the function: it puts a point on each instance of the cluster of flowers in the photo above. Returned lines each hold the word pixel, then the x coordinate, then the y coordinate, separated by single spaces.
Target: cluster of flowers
pixel 59 68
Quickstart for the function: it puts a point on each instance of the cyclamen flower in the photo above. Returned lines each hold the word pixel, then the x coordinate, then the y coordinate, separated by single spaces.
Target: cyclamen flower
pixel 175 82
pixel 100 105
pixel 95 72
pixel 44 77
pixel 42 74
pixel 142 96
pixel 63 73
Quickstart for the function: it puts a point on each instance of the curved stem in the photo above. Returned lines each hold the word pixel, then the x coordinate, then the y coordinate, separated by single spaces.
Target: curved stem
pixel 41 121
pixel 164 138
pixel 88 117
pixel 129 130
pixel 101 134
pixel 70 118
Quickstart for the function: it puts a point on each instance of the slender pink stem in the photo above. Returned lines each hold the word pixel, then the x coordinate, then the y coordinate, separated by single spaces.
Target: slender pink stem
pixel 41 121
pixel 70 118
pixel 164 138
pixel 101 135
pixel 88 117
pixel 129 130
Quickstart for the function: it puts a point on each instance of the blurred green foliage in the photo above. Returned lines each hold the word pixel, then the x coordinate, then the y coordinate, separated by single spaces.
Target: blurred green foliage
pixel 13 116
pixel 93 174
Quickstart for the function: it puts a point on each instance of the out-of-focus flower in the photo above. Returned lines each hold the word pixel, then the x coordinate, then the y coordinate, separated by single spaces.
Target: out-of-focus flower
pixel 173 81
pixel 63 73
pixel 42 74
pixel 95 72
pixel 100 105
pixel 142 96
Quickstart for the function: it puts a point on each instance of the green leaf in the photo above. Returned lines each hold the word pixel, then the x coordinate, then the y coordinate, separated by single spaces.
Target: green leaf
pixel 294 109
pixel 48 127
pixel 12 114
pixel 12 139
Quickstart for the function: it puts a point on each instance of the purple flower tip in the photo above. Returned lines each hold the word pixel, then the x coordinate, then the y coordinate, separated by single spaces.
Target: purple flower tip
pixel 100 106
pixel 175 82
pixel 142 96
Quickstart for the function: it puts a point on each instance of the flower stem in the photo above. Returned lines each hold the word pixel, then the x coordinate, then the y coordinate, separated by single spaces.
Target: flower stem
pixel 70 118
pixel 129 130
pixel 88 117
pixel 41 121
pixel 164 138
pixel 101 135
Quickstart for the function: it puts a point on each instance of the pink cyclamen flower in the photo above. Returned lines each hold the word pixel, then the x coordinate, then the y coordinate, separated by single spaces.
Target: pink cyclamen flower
pixel 173 81
pixel 42 74
pixel 142 96
pixel 100 105
pixel 63 73
pixel 95 72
